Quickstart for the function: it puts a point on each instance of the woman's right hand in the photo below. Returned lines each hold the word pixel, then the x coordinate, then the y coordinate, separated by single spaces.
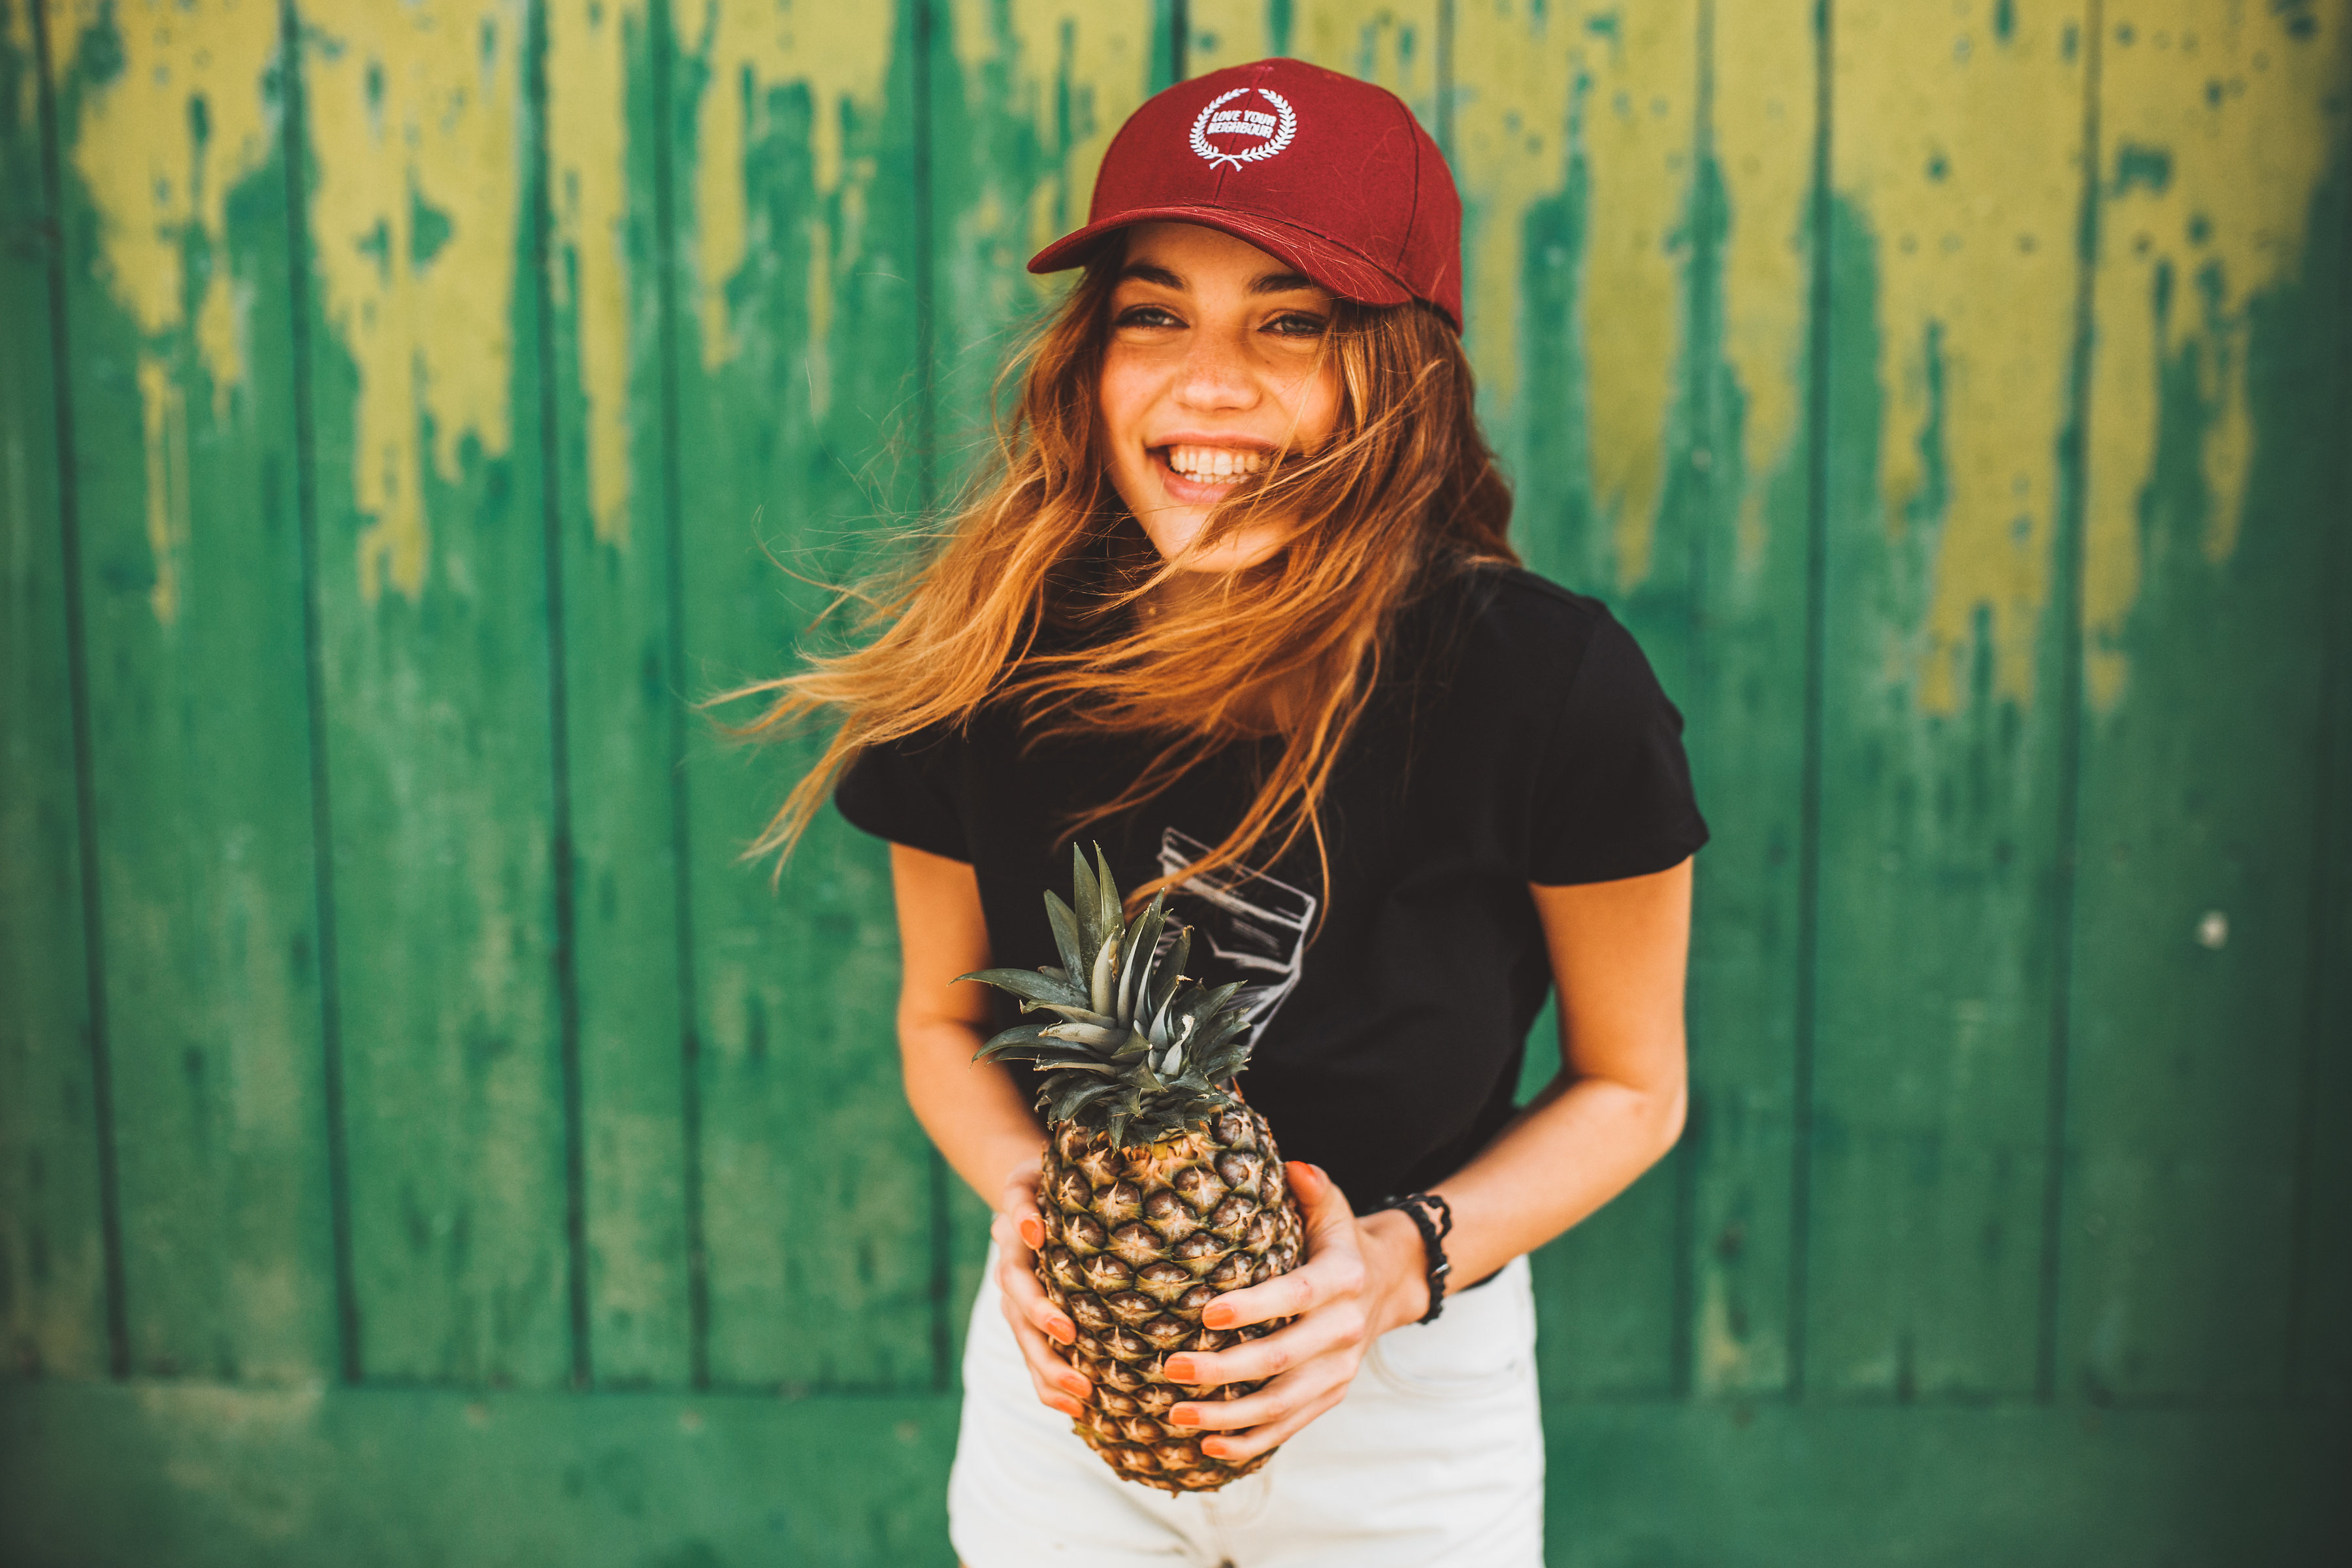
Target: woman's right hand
pixel 1038 1326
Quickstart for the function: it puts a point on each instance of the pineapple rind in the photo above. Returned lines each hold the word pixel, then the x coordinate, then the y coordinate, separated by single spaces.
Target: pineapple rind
pixel 1138 1239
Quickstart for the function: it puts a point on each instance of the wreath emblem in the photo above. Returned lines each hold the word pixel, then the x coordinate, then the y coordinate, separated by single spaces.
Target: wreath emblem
pixel 1277 133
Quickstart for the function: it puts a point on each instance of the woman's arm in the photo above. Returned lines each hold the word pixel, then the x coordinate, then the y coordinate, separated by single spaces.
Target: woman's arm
pixel 1618 955
pixel 975 1111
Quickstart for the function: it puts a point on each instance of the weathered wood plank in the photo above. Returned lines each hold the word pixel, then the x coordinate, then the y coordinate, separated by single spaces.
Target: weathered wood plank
pixel 1023 101
pixel 434 605
pixel 1958 171
pixel 797 368
pixel 96 1477
pixel 623 697
pixel 1748 319
pixel 1575 131
pixel 182 386
pixel 2217 410
pixel 52 1240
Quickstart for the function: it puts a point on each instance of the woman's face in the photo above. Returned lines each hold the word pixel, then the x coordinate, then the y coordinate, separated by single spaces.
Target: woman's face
pixel 1213 363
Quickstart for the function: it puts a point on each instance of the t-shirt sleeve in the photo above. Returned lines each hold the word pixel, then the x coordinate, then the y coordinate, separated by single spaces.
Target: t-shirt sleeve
pixel 1612 794
pixel 898 790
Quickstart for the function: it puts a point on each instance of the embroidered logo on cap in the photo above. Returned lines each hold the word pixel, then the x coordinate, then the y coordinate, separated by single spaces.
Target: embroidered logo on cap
pixel 1273 131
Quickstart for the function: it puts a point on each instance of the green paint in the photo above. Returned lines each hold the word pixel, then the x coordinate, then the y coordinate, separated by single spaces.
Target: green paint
pixel 815 1181
pixel 439 771
pixel 1932 1030
pixel 2190 1057
pixel 200 753
pixel 100 1476
pixel 2004 19
pixel 53 1309
pixel 623 723
pixel 2141 165
pixel 1278 26
pixel 428 230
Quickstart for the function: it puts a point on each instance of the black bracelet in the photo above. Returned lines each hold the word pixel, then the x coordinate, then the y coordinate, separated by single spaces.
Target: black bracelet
pixel 1418 1207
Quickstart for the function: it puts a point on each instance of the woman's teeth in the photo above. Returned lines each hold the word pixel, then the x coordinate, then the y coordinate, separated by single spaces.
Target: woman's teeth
pixel 1209 465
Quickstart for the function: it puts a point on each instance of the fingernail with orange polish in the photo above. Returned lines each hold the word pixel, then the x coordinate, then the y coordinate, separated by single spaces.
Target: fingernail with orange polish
pixel 1076 1385
pixel 1218 1317
pixel 1184 1415
pixel 1212 1447
pixel 1182 1368
pixel 1033 1233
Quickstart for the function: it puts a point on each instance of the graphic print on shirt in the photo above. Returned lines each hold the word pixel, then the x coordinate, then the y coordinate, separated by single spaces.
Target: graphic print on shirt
pixel 1254 925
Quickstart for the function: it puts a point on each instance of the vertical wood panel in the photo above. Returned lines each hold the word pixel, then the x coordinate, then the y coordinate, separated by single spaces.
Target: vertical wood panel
pixel 798 370
pixel 434 598
pixel 1751 433
pixel 622 692
pixel 52 1242
pixel 1024 99
pixel 182 390
pixel 2216 413
pixel 1576 133
pixel 1956 161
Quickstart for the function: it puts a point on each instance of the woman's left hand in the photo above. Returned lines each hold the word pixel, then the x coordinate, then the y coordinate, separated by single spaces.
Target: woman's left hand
pixel 1360 1279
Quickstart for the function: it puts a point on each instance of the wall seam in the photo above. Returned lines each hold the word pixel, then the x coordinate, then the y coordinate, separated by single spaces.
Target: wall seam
pixel 1808 823
pixel 2074 459
pixel 559 698
pixel 697 1265
pixel 294 132
pixel 101 1074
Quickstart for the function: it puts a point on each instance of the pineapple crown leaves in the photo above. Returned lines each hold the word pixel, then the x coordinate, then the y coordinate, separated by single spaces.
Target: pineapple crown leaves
pixel 1137 1049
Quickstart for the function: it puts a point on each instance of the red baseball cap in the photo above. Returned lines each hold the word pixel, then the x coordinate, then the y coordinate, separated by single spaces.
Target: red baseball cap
pixel 1332 174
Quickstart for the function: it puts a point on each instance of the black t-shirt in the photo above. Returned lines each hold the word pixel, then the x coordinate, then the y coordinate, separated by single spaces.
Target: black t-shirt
pixel 1518 735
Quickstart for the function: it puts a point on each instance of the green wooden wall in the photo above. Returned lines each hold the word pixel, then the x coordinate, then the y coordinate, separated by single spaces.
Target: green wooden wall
pixel 421 1141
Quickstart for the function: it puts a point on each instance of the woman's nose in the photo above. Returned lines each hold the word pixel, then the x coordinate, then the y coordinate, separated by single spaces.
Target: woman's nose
pixel 1216 376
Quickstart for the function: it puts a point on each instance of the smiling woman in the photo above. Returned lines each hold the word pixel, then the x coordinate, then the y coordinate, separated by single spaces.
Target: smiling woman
pixel 1238 605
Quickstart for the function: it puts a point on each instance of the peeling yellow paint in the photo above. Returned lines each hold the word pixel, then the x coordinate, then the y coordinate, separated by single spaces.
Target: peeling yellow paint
pixel 416 198
pixel 20 44
pixel 163 431
pixel 2215 140
pixel 156 184
pixel 588 146
pixel 841 54
pixel 1536 86
pixel 1101 54
pixel 1763 136
pixel 1962 151
pixel 1393 45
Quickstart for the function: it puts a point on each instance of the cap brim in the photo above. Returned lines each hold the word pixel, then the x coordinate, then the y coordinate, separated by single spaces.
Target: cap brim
pixel 1334 266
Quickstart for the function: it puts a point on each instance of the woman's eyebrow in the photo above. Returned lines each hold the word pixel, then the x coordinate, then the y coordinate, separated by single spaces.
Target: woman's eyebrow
pixel 1147 272
pixel 1282 283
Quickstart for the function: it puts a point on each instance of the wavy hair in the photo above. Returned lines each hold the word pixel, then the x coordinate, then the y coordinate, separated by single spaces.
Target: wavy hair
pixel 1040 590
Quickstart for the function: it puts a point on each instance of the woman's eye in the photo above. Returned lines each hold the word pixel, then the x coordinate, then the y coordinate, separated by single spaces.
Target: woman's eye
pixel 1147 316
pixel 1297 324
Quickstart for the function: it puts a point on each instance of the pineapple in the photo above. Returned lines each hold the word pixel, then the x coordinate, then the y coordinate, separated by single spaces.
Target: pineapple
pixel 1161 1189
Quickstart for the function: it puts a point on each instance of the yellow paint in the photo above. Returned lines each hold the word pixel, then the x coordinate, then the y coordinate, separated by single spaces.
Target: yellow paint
pixel 841 55
pixel 18 22
pixel 1102 54
pixel 1535 88
pixel 416 109
pixel 1764 80
pixel 588 147
pixel 1394 45
pixel 163 431
pixel 1963 154
pixel 2241 165
pixel 155 187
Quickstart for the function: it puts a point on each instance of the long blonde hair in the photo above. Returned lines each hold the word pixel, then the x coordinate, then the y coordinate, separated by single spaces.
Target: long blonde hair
pixel 1404 492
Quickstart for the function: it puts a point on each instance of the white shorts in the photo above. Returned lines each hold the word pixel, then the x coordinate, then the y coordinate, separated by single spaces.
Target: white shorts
pixel 1433 1458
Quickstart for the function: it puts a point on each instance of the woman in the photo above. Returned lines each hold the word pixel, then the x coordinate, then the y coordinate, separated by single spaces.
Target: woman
pixel 1238 605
